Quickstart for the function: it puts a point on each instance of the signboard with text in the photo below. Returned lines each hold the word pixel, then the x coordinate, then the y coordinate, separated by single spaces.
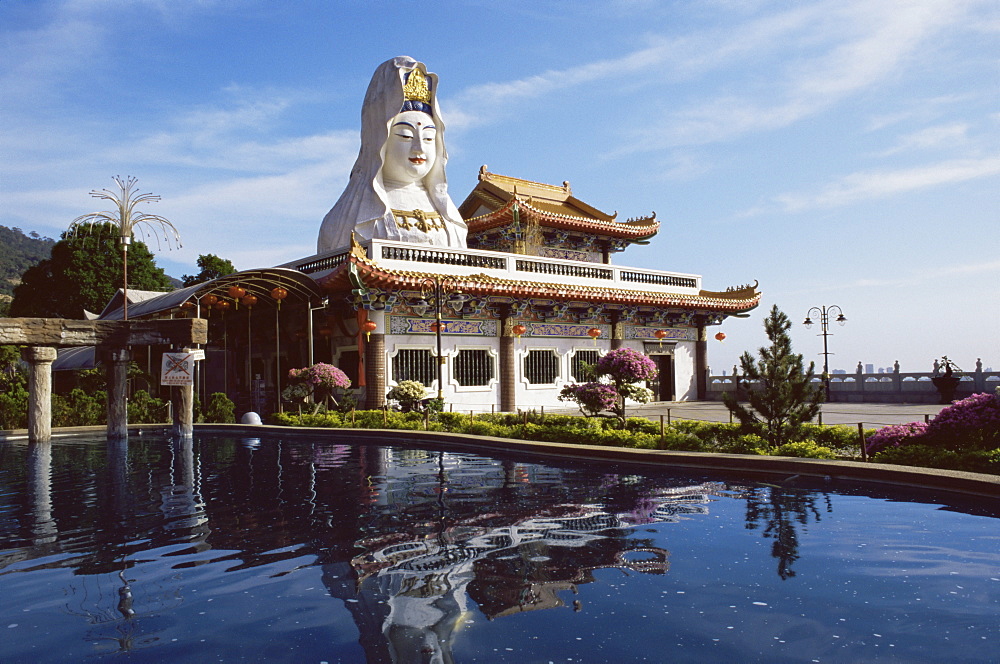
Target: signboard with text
pixel 177 369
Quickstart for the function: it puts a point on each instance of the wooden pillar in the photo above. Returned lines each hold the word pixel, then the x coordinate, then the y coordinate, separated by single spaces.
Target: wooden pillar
pixel 375 371
pixel 508 366
pixel 117 360
pixel 39 359
pixel 701 364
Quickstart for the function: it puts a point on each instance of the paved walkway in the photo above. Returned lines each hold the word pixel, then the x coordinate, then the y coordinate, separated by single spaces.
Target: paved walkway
pixel 872 415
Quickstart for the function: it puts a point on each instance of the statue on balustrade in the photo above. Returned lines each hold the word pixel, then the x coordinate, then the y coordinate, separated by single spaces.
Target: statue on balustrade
pixel 398 189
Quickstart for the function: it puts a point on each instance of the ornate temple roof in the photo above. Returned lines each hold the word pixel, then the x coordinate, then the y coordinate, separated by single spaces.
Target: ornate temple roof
pixel 492 204
pixel 357 269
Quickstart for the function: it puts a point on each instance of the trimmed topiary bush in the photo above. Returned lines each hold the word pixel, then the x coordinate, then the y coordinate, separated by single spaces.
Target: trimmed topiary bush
pixel 804 450
pixel 749 443
pixel 220 409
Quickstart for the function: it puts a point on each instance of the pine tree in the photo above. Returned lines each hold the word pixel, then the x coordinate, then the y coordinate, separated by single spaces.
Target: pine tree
pixel 782 397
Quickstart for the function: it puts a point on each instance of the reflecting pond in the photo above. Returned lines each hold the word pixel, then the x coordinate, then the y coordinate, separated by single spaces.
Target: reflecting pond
pixel 306 550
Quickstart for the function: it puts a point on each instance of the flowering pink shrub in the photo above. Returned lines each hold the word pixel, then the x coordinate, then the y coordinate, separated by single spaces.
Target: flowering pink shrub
pixel 321 375
pixel 626 366
pixel 970 422
pixel 895 435
pixel 616 375
pixel 591 397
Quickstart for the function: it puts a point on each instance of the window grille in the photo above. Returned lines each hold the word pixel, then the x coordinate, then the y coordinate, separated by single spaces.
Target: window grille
pixel 580 358
pixel 541 367
pixel 414 364
pixel 473 367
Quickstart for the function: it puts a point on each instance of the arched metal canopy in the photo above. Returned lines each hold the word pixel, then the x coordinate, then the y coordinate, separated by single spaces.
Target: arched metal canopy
pixel 258 283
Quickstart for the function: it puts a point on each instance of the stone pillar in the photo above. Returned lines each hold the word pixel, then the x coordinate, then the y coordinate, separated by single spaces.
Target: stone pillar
pixel 39 359
pixel 117 360
pixel 375 371
pixel 183 397
pixel 508 367
pixel 701 364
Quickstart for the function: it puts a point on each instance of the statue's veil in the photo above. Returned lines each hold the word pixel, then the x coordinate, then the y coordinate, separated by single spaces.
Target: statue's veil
pixel 363 207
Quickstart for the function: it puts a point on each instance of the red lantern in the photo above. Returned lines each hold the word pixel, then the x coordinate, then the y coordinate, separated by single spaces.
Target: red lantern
pixel 660 334
pixel 325 331
pixel 368 327
pixel 721 336
pixel 518 330
pixel 222 305
pixel 593 333
pixel 435 327
pixel 236 292
pixel 187 304
pixel 210 300
pixel 279 294
pixel 249 300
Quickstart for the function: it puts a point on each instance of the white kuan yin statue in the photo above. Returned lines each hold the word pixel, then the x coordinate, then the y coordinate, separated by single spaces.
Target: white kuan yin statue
pixel 398 189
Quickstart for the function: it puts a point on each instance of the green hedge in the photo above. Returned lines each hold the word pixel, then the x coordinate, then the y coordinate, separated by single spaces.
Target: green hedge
pixel 828 442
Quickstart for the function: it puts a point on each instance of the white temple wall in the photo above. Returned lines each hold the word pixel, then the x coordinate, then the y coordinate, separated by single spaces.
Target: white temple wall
pixel 556 357
pixel 685 381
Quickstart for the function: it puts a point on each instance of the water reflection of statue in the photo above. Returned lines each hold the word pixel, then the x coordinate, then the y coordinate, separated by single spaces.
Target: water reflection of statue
pixel 398 189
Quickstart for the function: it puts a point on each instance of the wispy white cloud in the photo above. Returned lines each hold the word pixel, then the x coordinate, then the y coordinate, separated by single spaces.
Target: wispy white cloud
pixel 661 61
pixel 927 274
pixel 862 186
pixel 828 51
pixel 949 135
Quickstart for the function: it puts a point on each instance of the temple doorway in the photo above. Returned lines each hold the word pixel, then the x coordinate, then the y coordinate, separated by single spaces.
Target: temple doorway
pixel 663 385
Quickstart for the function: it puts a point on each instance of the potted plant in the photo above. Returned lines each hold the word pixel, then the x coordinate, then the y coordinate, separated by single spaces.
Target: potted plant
pixel 947 382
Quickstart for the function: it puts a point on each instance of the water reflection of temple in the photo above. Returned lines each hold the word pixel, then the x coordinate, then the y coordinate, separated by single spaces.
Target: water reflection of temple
pixel 411 541
pixel 415 586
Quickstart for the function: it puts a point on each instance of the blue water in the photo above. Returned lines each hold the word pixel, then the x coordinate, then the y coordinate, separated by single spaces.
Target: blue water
pixel 305 550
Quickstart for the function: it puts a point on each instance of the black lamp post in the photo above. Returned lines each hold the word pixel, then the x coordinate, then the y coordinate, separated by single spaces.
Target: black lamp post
pixel 824 321
pixel 435 292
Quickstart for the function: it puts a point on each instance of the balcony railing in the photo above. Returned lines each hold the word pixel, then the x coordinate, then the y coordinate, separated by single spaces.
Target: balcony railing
pixel 516 267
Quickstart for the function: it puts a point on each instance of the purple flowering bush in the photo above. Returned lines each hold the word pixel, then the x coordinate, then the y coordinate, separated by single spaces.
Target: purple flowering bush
pixel 971 423
pixel 615 378
pixel 626 366
pixel 592 398
pixel 964 436
pixel 321 375
pixel 321 381
pixel 893 436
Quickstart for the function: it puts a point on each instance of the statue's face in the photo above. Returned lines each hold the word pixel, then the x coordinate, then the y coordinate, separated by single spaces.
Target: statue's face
pixel 410 149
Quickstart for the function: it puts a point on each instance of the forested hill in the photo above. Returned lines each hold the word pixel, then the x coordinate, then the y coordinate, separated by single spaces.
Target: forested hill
pixel 18 252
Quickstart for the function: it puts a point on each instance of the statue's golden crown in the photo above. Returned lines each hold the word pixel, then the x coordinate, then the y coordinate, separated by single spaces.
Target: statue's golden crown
pixel 416 87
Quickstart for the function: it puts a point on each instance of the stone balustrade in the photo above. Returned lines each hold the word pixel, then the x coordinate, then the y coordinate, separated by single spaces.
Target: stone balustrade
pixel 893 387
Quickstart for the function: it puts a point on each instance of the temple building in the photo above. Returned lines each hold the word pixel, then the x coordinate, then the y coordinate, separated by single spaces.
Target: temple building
pixel 495 304
pixel 515 325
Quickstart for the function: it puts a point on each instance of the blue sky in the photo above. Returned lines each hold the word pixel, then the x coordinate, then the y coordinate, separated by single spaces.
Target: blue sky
pixel 840 152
